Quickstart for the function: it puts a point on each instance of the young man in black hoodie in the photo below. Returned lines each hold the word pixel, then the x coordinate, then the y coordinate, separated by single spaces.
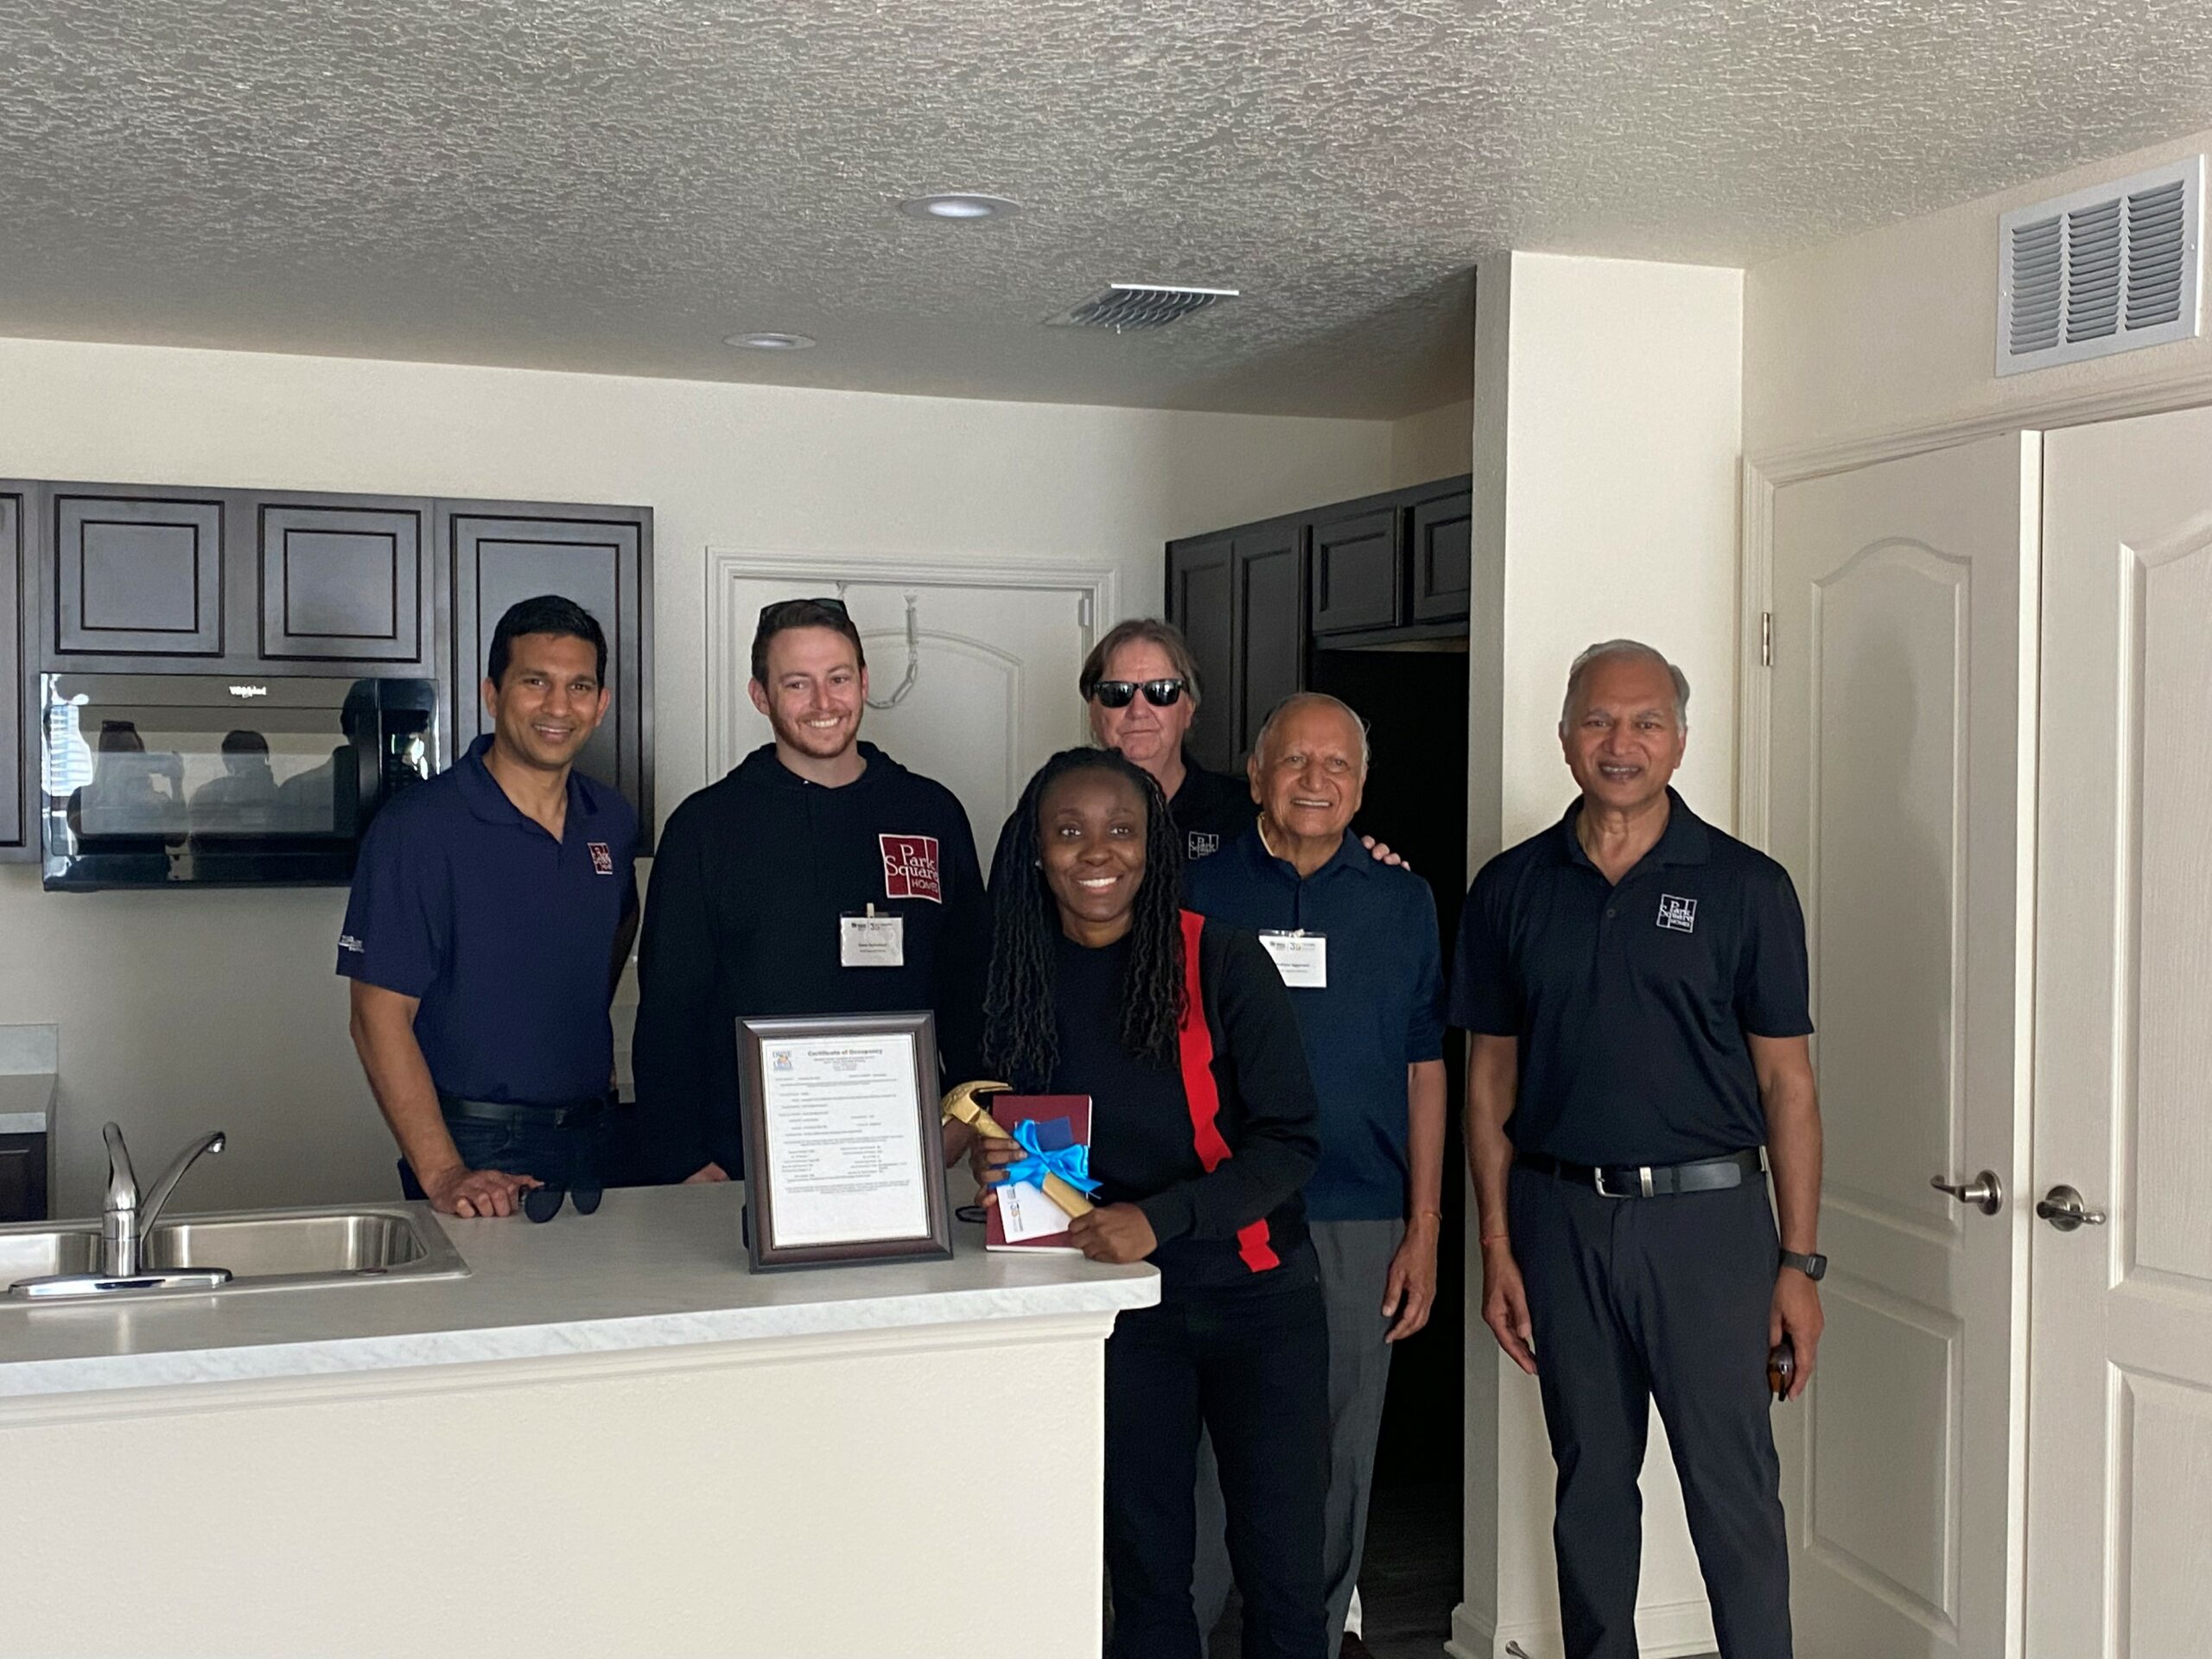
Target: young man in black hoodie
pixel 757 876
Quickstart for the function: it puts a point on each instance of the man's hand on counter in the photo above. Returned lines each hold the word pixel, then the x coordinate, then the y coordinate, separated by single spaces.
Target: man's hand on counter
pixel 708 1171
pixel 464 1192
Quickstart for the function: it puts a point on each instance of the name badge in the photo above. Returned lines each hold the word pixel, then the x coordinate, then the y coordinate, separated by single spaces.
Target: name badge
pixel 871 941
pixel 1301 958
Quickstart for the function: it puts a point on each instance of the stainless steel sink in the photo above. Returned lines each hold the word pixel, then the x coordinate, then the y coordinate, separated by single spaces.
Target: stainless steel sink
pixel 262 1250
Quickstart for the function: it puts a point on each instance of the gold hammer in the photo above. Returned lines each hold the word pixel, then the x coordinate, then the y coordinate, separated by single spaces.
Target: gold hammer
pixel 960 1106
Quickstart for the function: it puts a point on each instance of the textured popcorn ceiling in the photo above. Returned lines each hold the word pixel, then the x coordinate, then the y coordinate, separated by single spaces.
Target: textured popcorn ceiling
pixel 616 184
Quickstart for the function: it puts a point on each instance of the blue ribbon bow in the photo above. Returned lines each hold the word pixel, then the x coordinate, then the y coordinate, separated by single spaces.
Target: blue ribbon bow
pixel 1071 1164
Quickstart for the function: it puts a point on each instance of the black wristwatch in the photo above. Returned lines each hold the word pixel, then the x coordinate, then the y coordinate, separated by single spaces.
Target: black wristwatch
pixel 1813 1266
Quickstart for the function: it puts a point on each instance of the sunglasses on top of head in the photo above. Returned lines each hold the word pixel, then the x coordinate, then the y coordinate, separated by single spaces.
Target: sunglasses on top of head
pixel 773 611
pixel 1119 694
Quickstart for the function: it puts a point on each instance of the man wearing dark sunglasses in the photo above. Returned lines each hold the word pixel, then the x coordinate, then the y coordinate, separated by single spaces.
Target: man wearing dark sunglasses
pixel 819 877
pixel 1141 686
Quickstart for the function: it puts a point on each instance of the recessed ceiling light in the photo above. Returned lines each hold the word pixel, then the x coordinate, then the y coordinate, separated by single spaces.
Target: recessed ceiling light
pixel 959 205
pixel 769 342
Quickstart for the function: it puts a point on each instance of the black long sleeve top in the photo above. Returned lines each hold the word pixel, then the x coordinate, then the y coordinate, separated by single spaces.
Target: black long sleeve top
pixel 1216 1150
pixel 751 879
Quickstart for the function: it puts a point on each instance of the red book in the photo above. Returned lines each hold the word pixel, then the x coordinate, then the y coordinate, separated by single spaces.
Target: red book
pixel 1062 1120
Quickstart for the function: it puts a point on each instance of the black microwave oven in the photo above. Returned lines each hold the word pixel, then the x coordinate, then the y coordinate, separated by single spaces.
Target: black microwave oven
pixel 160 781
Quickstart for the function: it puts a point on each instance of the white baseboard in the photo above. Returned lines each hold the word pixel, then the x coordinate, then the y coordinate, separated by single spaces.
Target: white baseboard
pixel 1667 1629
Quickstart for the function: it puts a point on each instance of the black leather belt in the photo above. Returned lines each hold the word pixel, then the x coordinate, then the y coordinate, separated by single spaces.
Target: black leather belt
pixel 502 1111
pixel 1650 1181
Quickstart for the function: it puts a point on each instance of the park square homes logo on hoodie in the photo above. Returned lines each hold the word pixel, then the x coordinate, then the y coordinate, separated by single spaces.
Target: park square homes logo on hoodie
pixel 911 868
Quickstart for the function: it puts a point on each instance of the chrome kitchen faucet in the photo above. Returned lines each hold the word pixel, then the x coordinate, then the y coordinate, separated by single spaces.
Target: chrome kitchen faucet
pixel 127 1221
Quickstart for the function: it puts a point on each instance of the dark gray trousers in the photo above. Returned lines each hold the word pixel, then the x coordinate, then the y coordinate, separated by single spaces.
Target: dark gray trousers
pixel 1635 1300
pixel 1355 1262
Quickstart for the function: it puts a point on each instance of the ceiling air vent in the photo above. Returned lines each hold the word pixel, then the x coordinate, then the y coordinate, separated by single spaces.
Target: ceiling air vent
pixel 1126 305
pixel 2102 270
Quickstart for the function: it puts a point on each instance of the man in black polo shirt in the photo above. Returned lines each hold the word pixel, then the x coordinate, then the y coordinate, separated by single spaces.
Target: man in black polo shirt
pixel 763 887
pixel 492 909
pixel 1634 981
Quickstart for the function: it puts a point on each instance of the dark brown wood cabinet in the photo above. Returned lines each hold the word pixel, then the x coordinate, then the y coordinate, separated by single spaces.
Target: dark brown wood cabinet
pixel 1202 587
pixel 1270 626
pixel 1441 552
pixel 500 554
pixel 137 574
pixel 1240 601
pixel 1258 600
pixel 1358 580
pixel 119 578
pixel 344 582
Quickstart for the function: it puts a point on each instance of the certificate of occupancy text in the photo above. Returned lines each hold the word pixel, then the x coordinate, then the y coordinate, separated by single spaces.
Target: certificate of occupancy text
pixel 846 1159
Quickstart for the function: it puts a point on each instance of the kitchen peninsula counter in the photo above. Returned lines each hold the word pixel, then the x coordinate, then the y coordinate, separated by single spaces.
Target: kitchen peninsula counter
pixel 608 1438
pixel 657 1267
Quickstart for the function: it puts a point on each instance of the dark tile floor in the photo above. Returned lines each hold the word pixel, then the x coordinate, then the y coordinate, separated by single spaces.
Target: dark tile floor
pixel 1409 1582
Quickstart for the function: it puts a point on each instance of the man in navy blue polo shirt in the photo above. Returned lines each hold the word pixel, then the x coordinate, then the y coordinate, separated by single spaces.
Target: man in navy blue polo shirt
pixel 492 909
pixel 1356 941
pixel 1634 983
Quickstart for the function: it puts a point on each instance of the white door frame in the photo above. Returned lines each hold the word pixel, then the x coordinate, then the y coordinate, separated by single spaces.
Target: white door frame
pixel 729 636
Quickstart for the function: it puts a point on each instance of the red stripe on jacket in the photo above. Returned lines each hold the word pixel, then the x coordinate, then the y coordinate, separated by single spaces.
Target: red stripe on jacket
pixel 1195 1045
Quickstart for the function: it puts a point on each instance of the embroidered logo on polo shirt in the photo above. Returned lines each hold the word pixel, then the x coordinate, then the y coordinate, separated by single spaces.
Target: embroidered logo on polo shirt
pixel 347 942
pixel 1680 915
pixel 1204 843
pixel 603 856
pixel 910 868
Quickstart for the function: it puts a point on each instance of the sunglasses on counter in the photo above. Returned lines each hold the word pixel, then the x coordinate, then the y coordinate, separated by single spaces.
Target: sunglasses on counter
pixel 544 1203
pixel 1119 694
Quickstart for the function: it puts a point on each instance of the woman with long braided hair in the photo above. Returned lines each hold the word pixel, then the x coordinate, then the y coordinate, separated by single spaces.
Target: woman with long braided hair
pixel 1203 1129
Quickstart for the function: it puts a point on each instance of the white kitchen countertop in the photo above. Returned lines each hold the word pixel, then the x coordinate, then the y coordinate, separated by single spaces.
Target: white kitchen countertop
pixel 26 1103
pixel 656 1268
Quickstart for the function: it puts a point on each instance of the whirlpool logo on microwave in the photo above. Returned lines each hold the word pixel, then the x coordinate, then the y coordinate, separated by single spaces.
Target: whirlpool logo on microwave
pixel 249 690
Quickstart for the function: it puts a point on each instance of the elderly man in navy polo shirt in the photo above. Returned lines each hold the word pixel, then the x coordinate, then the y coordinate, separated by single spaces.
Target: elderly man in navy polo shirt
pixel 1635 981
pixel 1356 941
pixel 492 909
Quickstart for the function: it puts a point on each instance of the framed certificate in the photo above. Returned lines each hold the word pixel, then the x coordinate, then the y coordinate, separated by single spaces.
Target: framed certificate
pixel 843 1159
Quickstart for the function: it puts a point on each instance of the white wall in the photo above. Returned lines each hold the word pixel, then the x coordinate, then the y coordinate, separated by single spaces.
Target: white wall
pixel 183 1011
pixel 1896 329
pixel 1607 437
pixel 1436 443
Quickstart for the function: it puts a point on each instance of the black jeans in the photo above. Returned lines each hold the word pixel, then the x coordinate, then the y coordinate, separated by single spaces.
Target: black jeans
pixel 1253 1368
pixel 1634 1300
pixel 556 1156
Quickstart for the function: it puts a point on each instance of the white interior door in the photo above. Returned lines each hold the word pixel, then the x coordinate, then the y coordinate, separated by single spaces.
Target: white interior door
pixel 2119 1496
pixel 1901 767
pixel 993 692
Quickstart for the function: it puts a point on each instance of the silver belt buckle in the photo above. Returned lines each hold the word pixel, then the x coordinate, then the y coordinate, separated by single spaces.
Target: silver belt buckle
pixel 1643 1176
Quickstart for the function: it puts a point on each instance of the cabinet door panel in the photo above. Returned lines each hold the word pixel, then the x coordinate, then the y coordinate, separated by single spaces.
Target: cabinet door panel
pixel 1443 529
pixel 13 733
pixel 597 564
pixel 1270 626
pixel 22 1177
pixel 1201 601
pixel 138 576
pixel 1356 572
pixel 342 584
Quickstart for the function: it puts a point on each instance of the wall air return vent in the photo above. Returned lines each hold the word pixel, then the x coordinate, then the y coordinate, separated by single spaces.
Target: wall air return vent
pixel 2102 270
pixel 1125 307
